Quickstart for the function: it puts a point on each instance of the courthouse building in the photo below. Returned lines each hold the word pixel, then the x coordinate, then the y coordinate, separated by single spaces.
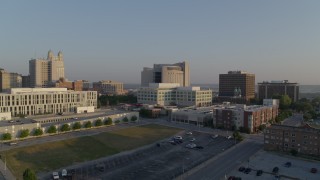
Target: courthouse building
pixel 32 101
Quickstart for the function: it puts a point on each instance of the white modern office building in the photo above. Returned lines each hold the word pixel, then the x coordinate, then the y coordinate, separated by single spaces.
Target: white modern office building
pixel 166 94
pixel 33 101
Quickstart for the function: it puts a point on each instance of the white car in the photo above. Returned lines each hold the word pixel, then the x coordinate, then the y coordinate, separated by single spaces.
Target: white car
pixel 178 137
pixel 192 139
pixel 215 136
pixel 64 173
pixel 189 133
pixel 191 145
pixel 55 175
pixel 228 137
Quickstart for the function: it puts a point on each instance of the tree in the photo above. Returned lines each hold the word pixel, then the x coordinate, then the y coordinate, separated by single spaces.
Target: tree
pixel 108 121
pixel 76 126
pixel 294 152
pixel 237 136
pixel 285 102
pixel 6 136
pixel 98 122
pixel 262 127
pixel 28 174
pixel 52 129
pixel 125 119
pixel 134 118
pixel 117 121
pixel 38 132
pixel 65 127
pixel 24 133
pixel 88 124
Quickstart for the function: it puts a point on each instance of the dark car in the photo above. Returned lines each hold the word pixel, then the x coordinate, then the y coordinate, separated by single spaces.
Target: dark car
pixel 275 170
pixel 178 141
pixel 288 164
pixel 231 178
pixel 247 170
pixel 313 170
pixel 199 147
pixel 259 172
pixel 241 169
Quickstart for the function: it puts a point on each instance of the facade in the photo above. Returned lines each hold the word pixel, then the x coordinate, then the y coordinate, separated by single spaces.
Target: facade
pixel 239 84
pixel 305 140
pixel 166 73
pixel 70 85
pixel 108 87
pixel 26 81
pixel 267 90
pixel 5 116
pixel 32 101
pixel 242 116
pixel 198 116
pixel 166 94
pixel 9 80
pixel 44 71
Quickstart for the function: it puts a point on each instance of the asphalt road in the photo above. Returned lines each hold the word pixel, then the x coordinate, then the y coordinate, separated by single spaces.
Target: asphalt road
pixel 226 162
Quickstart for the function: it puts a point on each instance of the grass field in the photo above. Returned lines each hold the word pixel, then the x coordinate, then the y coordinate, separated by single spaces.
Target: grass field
pixel 54 155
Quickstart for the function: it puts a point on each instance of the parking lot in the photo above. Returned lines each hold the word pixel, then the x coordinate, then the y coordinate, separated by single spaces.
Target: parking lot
pixel 161 160
pixel 267 161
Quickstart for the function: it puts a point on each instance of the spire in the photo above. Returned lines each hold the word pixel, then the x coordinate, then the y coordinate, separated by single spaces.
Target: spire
pixel 60 56
pixel 50 55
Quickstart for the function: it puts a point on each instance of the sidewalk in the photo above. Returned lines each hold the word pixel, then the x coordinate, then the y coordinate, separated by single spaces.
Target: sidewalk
pixel 6 173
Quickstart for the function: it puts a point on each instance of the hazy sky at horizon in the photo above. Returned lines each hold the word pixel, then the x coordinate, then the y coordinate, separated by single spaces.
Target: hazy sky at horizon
pixel 114 40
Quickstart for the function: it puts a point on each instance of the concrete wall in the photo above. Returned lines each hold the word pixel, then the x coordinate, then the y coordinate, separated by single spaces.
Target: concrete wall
pixel 5 116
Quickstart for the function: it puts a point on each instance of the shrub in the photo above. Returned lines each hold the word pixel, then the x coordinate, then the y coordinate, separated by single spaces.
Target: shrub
pixel 108 121
pixel 38 132
pixel 6 136
pixel 98 122
pixel 76 126
pixel 52 129
pixel 134 118
pixel 65 127
pixel 88 124
pixel 28 174
pixel 24 133
pixel 125 119
pixel 117 121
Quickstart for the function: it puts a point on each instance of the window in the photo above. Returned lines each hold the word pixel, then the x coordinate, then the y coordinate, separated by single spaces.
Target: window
pixel 293 135
pixel 305 137
pixel 285 145
pixel 293 140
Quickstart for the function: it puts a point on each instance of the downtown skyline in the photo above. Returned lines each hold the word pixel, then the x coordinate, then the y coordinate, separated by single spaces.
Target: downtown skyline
pixel 114 40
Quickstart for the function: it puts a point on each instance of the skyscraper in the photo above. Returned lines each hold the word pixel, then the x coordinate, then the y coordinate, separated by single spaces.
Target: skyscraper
pixel 44 71
pixel 237 84
pixel 9 80
pixel 166 73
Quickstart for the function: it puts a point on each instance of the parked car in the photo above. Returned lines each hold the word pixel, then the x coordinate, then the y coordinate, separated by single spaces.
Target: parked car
pixel 64 173
pixel 55 175
pixel 275 170
pixel 241 169
pixel 247 170
pixel 189 133
pixel 313 170
pixel 228 137
pixel 191 145
pixel 177 137
pixel 288 164
pixel 231 177
pixel 215 136
pixel 192 139
pixel 199 147
pixel 259 172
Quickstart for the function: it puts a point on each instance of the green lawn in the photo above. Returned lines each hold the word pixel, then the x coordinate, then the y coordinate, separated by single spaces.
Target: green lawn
pixel 54 155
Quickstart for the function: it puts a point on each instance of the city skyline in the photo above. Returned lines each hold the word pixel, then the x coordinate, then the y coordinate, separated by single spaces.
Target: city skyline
pixel 275 40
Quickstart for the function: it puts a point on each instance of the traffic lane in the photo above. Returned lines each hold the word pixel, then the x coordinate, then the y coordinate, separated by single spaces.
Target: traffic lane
pixel 227 161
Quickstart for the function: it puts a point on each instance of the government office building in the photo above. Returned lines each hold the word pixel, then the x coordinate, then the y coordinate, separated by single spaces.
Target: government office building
pixel 33 101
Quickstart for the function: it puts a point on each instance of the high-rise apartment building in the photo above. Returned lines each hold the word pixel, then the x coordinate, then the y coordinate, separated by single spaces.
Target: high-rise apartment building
pixel 44 71
pixel 268 89
pixel 9 80
pixel 166 73
pixel 237 84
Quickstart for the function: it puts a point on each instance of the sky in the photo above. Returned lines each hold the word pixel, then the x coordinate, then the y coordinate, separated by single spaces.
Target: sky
pixel 114 40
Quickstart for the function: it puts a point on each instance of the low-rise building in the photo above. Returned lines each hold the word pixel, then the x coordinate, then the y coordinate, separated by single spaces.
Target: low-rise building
pixel 201 116
pixel 304 139
pixel 240 116
pixel 109 87
pixel 166 94
pixel 33 101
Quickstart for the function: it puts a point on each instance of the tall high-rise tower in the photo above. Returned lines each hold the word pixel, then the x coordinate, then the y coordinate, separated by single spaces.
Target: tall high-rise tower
pixel 237 84
pixel 166 73
pixel 44 71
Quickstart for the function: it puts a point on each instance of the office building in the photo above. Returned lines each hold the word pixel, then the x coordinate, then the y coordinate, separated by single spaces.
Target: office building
pixel 247 118
pixel 238 84
pixel 9 80
pixel 70 85
pixel 108 87
pixel 33 101
pixel 304 139
pixel 45 71
pixel 166 94
pixel 166 73
pixel 267 89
